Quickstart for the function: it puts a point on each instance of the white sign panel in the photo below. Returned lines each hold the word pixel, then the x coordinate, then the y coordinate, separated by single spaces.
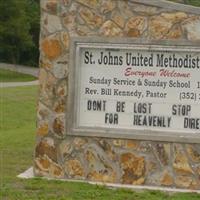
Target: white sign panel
pixel 138 88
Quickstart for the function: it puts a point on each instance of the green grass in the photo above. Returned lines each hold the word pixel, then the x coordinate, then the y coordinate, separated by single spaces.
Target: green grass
pixel 17 137
pixel 189 2
pixel 10 76
pixel 193 2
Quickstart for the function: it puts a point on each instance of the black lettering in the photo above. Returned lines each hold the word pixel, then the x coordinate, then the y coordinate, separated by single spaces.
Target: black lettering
pixel 192 123
pixel 87 58
pixel 97 105
pixel 89 105
pixel 181 110
pixel 111 118
pixel 120 106
pixel 142 108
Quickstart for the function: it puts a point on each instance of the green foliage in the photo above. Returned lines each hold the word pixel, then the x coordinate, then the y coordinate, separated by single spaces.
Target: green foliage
pixel 19 31
pixel 10 76
pixel 193 2
pixel 17 133
pixel 188 2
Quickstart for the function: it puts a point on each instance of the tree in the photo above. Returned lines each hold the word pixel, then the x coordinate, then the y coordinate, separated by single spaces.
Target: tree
pixel 19 30
pixel 188 2
pixel 33 15
pixel 192 2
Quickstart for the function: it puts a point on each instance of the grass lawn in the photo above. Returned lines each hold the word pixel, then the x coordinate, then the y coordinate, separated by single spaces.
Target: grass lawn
pixel 189 2
pixel 17 128
pixel 10 76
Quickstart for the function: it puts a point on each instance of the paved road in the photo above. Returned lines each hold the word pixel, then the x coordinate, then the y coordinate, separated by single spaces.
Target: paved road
pixel 21 69
pixel 17 84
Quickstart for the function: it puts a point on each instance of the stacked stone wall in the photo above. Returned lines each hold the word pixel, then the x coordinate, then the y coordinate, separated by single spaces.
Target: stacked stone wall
pixel 105 159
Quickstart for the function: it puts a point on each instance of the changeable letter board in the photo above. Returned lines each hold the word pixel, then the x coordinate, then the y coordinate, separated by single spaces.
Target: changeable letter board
pixel 122 90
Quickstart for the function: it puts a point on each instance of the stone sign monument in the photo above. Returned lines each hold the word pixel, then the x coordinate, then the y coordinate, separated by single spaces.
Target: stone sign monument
pixel 119 92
